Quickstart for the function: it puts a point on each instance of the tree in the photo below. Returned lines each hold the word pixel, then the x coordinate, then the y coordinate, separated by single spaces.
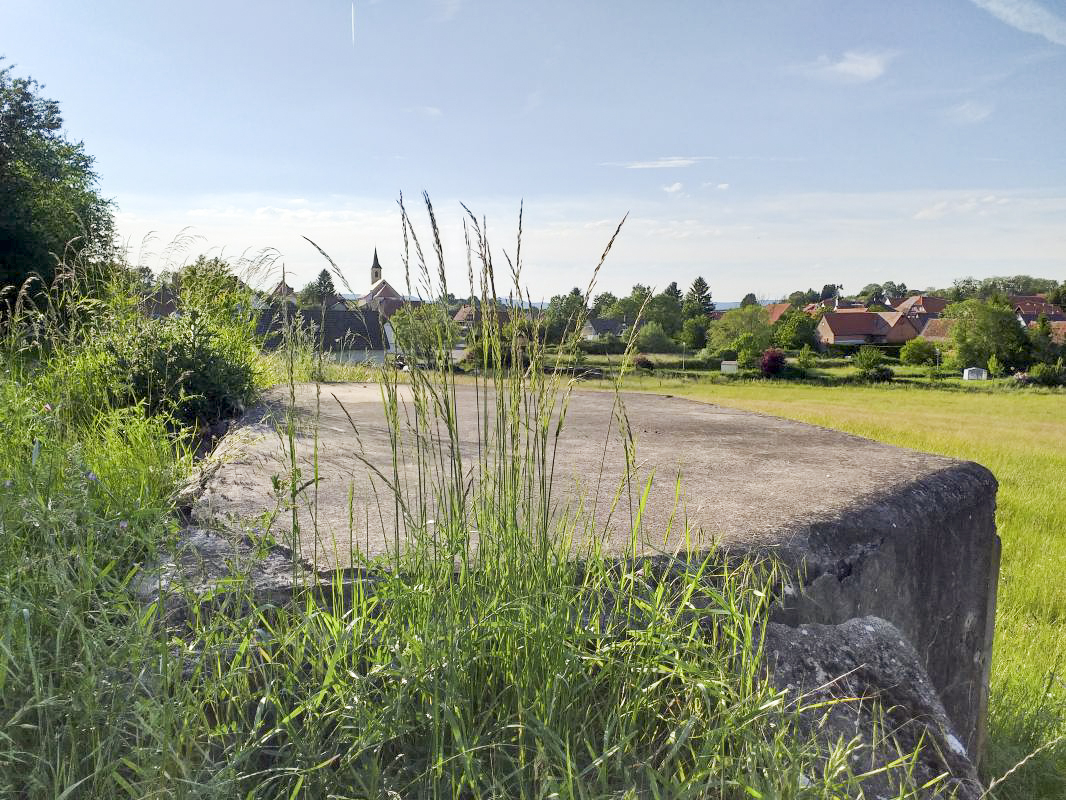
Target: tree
pixel 563 315
pixel 749 300
pixel 1042 343
pixel 697 301
pixel 674 292
pixel 694 332
pixel 600 304
pixel 665 309
pixel 918 352
pixel 318 291
pixel 651 338
pixel 627 308
pixel 794 330
pixel 893 291
pixel 1057 296
pixel 829 291
pixel 985 329
pixel 49 203
pixel 873 294
pixel 750 320
pixel 799 299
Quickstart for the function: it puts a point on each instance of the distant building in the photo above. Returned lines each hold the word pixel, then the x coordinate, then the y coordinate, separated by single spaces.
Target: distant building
pixel 777 310
pixel 347 335
pixel 837 329
pixel 596 328
pixel 382 297
pixel 975 374
pixel 282 290
pixel 938 331
pixel 922 305
pixel 469 316
pixel 1029 309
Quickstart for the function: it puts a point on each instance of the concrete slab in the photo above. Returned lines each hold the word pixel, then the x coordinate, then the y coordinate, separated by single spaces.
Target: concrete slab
pixel 865 529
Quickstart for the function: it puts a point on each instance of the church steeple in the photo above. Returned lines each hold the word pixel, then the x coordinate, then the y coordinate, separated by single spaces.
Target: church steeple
pixel 375 269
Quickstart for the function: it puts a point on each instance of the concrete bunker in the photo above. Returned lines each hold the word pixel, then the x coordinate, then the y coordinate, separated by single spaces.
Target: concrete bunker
pixel 866 530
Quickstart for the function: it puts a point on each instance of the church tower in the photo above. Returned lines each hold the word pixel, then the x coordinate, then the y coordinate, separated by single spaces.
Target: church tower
pixel 375 269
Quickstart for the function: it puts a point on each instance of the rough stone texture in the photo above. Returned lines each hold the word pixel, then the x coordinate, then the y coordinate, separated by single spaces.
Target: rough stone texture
pixel 864 528
pixel 861 680
pixel 203 564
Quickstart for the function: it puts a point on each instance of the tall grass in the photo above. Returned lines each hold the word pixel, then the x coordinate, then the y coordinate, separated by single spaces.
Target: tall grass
pixel 491 655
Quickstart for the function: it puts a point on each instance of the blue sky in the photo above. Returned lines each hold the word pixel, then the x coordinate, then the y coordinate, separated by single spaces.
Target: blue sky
pixel 767 146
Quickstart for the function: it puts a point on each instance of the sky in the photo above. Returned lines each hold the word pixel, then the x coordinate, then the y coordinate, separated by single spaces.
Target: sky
pixel 767 145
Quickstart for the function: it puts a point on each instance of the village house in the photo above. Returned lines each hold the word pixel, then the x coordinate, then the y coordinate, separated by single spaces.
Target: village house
pixel 1029 309
pixel 347 335
pixel 938 330
pixel 597 328
pixel 837 329
pixel 922 305
pixel 777 310
pixel 469 317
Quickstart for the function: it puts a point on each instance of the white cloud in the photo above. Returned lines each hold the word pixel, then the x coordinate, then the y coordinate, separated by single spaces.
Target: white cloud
pixel 723 186
pixel 961 206
pixel 855 66
pixel 668 162
pixel 426 111
pixel 969 112
pixel 673 188
pixel 1028 16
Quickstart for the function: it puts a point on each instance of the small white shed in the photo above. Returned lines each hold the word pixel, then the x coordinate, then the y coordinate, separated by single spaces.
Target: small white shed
pixel 729 367
pixel 975 374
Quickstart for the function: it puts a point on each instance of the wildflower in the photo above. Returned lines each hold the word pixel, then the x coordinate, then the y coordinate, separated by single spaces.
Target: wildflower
pixel 47 407
pixel 123 525
pixel 8 484
pixel 91 476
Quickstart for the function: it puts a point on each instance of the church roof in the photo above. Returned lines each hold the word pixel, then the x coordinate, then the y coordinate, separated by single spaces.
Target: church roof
pixel 381 288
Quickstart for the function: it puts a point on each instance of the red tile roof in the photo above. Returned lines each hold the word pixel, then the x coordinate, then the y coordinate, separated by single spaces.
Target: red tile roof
pixel 777 310
pixel 938 330
pixel 923 302
pixel 871 325
pixel 1035 304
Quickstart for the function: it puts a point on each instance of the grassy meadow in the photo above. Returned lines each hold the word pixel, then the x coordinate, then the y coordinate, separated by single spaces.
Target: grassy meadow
pixel 1021 437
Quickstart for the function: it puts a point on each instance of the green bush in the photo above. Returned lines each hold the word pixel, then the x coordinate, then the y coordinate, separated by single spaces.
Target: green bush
pixel 868 358
pixel 805 359
pixel 1047 374
pixel 878 374
pixel 651 338
pixel 608 345
pixel 918 352
pixel 185 366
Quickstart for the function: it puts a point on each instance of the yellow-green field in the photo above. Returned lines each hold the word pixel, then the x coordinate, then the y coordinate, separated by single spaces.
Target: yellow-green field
pixel 1021 437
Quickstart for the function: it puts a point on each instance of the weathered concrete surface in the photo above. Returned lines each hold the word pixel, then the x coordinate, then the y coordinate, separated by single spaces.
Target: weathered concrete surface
pixel 863 683
pixel 866 529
